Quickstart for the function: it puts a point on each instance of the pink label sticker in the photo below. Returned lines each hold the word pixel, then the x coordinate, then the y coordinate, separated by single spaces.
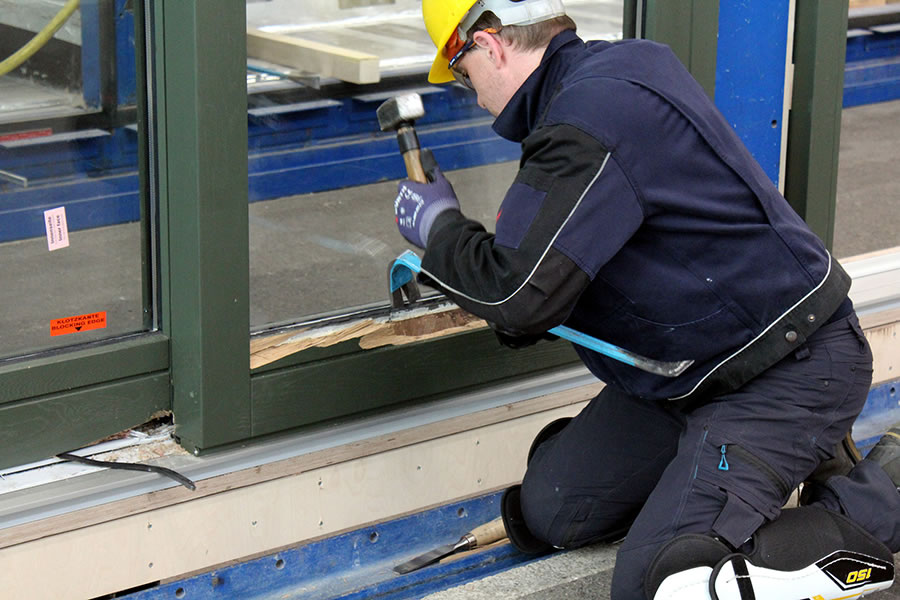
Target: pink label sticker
pixel 57 228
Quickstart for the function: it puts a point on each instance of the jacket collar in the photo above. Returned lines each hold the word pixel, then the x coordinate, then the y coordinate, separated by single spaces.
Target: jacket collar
pixel 525 109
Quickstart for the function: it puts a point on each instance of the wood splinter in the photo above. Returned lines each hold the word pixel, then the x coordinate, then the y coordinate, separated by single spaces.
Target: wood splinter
pixel 371 333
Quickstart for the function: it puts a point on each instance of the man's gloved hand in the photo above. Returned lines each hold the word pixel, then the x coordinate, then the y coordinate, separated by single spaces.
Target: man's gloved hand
pixel 519 341
pixel 418 204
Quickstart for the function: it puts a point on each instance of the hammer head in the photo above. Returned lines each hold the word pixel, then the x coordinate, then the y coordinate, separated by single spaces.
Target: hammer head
pixel 399 110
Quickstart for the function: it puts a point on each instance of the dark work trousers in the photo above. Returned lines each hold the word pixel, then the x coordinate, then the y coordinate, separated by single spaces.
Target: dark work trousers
pixel 723 469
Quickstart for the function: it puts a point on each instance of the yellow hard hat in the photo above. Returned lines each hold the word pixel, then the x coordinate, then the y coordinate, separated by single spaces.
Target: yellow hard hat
pixel 443 17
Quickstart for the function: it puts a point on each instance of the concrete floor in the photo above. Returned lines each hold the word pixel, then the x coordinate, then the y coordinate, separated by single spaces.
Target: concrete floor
pixel 583 574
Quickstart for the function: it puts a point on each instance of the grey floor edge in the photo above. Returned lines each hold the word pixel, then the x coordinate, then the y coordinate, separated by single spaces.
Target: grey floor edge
pixel 582 573
pixel 585 573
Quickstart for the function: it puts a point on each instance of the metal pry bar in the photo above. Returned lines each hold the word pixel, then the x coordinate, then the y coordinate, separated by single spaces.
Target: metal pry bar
pixel 657 367
pixel 402 280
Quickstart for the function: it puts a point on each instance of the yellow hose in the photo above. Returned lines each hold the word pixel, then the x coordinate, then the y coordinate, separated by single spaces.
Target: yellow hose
pixel 38 41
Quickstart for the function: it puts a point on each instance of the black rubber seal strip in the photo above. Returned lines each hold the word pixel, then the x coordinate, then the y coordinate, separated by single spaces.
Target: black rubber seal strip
pixel 130 467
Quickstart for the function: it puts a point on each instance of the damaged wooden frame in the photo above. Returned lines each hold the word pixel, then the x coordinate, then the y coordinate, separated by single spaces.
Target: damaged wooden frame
pixel 408 327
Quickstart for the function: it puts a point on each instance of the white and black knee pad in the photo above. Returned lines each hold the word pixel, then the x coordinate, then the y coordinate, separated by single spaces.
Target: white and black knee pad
pixel 682 568
pixel 807 552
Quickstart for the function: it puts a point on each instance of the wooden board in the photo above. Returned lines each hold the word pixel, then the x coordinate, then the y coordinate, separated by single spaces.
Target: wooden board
pixel 313 57
pixel 885 343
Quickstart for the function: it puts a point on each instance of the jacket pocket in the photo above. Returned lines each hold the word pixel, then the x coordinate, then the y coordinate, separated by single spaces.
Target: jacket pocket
pixel 699 340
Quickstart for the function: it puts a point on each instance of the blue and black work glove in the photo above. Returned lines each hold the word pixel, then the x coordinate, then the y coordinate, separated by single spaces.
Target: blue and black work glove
pixel 418 205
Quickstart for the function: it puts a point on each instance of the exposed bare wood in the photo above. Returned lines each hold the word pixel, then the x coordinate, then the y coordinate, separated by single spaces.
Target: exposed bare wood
pixel 880 319
pixel 885 343
pixel 411 327
pixel 267 349
pixel 313 57
pixel 422 328
pixel 262 343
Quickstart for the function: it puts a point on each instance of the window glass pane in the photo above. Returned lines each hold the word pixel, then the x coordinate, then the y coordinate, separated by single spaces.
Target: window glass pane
pixel 70 232
pixel 323 176
pixel 867 214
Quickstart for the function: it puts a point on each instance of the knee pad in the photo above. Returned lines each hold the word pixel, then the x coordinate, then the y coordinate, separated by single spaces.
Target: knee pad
pixel 511 505
pixel 548 431
pixel 807 552
pixel 514 522
pixel 682 568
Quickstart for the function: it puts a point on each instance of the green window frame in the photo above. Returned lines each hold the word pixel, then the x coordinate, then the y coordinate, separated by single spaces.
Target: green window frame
pixel 195 360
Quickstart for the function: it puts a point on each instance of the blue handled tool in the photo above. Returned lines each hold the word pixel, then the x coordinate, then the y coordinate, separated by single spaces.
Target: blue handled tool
pixel 402 283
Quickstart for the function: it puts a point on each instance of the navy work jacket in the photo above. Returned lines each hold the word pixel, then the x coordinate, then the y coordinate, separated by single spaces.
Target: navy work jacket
pixel 639 217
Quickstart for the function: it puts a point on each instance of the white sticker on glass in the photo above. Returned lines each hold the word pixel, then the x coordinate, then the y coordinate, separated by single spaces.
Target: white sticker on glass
pixel 57 228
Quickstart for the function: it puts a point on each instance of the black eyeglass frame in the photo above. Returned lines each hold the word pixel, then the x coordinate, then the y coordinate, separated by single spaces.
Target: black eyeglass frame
pixel 463 78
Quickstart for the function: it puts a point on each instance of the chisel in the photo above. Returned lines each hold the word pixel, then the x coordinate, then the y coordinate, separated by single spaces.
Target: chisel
pixel 478 537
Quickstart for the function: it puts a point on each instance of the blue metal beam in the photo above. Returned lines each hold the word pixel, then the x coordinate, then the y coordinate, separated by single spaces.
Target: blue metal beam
pixel 872 73
pixel 358 565
pixel 750 78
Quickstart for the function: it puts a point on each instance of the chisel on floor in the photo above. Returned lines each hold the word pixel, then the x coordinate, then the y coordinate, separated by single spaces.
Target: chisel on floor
pixel 478 537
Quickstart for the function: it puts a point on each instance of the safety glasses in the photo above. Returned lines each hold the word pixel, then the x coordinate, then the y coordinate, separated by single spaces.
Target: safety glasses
pixel 456 49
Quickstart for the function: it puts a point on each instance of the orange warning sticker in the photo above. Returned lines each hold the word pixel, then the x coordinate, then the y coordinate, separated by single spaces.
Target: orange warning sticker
pixel 79 323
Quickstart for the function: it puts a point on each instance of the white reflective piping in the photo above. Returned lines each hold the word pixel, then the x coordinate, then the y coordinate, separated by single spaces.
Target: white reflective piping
pixel 540 260
pixel 754 340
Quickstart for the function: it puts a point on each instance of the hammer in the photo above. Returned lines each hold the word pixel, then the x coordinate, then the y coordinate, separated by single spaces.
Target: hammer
pixel 398 114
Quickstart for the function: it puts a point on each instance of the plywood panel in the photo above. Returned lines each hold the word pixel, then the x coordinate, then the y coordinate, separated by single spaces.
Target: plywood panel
pixel 190 536
pixel 885 342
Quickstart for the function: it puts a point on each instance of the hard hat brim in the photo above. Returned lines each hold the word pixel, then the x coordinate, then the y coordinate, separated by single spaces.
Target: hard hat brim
pixel 440 67
pixel 524 13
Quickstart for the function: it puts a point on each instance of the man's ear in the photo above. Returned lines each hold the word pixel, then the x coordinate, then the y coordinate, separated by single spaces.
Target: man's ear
pixel 497 49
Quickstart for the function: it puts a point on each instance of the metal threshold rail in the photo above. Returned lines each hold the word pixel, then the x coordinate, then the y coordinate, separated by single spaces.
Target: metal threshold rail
pixel 876 281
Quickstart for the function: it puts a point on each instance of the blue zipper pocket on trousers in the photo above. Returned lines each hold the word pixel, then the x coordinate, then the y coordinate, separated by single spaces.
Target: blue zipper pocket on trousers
pixel 735 451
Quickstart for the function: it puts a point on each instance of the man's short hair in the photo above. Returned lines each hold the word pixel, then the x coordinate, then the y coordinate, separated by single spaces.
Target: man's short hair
pixel 524 37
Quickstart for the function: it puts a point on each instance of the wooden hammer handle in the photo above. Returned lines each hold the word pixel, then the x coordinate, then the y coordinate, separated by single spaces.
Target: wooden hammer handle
pixel 414 169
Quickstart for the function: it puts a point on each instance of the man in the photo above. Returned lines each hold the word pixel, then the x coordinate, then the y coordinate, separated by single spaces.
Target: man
pixel 637 216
